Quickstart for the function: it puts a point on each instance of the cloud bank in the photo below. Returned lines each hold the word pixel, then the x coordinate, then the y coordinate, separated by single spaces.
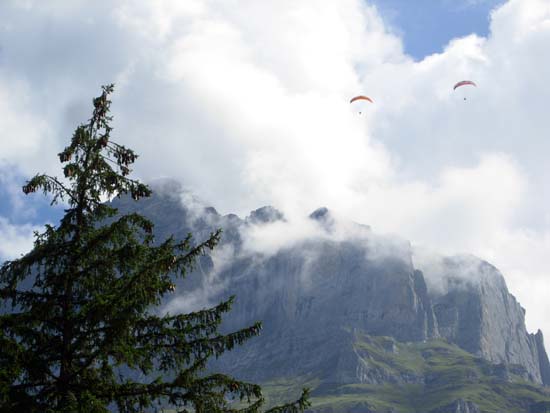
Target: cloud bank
pixel 247 104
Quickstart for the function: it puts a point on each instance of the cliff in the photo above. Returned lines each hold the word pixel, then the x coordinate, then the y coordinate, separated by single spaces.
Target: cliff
pixel 325 296
pixel 479 314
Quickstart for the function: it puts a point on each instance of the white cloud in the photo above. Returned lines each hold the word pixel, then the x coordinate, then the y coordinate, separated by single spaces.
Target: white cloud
pixel 247 103
pixel 23 134
pixel 15 239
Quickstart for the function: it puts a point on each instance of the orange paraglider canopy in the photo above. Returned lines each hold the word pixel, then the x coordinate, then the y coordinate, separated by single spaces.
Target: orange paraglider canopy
pixel 361 97
pixel 464 83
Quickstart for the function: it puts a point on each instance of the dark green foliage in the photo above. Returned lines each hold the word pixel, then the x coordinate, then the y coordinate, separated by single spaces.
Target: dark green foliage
pixel 77 330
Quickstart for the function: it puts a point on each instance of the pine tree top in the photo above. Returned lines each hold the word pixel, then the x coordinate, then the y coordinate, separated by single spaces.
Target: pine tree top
pixel 80 332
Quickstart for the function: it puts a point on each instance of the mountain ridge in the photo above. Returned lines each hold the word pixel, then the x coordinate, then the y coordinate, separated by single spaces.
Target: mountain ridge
pixel 316 293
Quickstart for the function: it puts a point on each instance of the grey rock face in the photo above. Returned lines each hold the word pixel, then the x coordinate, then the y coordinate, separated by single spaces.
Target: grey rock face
pixel 542 358
pixel 310 298
pixel 312 294
pixel 326 283
pixel 477 312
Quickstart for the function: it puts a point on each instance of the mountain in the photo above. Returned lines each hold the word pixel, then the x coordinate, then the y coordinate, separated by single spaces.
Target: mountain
pixel 482 317
pixel 346 312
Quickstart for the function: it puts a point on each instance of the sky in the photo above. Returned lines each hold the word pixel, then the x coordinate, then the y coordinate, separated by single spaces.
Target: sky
pixel 247 104
pixel 426 26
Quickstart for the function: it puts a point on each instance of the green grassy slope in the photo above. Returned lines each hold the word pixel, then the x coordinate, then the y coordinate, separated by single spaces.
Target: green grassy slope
pixel 423 377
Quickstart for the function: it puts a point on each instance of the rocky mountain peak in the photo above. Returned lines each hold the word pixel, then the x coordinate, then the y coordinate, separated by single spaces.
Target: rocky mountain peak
pixel 320 214
pixel 265 215
pixel 324 218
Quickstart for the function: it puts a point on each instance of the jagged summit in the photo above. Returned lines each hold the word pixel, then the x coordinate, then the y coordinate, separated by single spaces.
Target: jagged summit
pixel 320 214
pixel 324 218
pixel 265 215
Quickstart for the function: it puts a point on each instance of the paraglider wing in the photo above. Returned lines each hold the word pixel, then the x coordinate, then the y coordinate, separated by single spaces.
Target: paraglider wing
pixel 464 83
pixel 361 97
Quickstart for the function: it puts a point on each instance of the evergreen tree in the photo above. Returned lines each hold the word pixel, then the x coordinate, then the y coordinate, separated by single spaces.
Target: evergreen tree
pixel 77 328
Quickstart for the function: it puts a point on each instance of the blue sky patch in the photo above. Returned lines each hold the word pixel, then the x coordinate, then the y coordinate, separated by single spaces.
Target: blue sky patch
pixel 426 26
pixel 20 209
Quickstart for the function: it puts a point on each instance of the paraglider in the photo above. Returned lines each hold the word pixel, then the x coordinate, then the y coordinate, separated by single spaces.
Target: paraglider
pixel 361 98
pixel 464 83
